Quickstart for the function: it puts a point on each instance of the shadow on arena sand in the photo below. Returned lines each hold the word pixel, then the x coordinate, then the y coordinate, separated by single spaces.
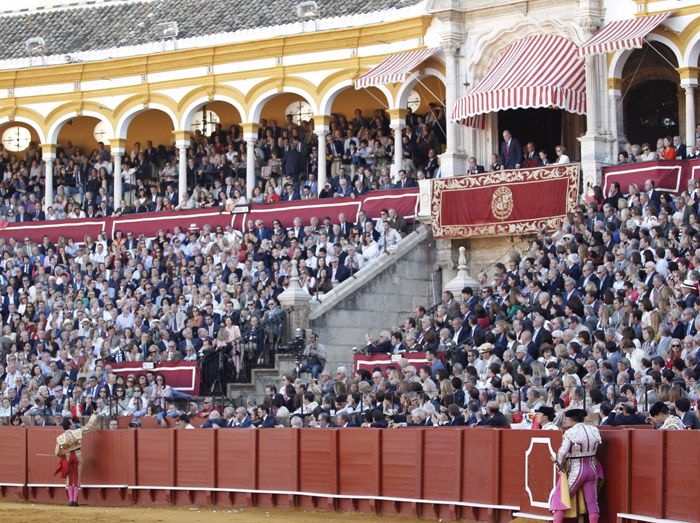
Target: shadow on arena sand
pixel 34 513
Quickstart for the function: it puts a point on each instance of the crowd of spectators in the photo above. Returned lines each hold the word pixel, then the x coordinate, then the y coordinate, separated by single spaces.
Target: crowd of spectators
pixel 71 310
pixel 602 315
pixel 666 148
pixel 358 155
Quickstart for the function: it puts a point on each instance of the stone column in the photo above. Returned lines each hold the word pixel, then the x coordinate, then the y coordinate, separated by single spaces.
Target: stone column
pixel 118 148
pixel 48 154
pixel 250 135
pixel 689 83
pixel 182 142
pixel 615 114
pixel 453 162
pixel 321 123
pixel 594 143
pixel 398 122
pixel 296 301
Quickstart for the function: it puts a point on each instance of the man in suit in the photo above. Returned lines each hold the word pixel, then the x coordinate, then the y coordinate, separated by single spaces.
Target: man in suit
pixel 456 418
pixel 681 150
pixel 473 167
pixel 627 415
pixel 404 181
pixel 607 414
pixel 495 417
pixel 242 421
pixel 511 151
pixel 268 421
pixel 334 152
pixel 654 195
pixel 339 272
pixel 688 417
pixel 461 333
pixel 344 225
pixel 343 420
pixel 293 162
pixel 532 159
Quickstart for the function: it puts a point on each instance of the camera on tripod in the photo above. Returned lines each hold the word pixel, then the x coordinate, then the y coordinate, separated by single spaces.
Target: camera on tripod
pixel 296 345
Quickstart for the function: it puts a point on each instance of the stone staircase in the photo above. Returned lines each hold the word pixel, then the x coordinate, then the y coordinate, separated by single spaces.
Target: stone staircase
pixel 380 296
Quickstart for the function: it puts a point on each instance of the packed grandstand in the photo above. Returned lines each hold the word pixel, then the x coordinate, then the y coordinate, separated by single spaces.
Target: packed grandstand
pixel 170 240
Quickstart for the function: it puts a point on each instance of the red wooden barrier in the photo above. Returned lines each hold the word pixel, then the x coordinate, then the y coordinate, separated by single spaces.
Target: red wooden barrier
pixel 614 455
pixel 682 462
pixel 43 485
pixel 472 474
pixel 646 473
pixel 359 462
pixel 236 466
pixel 108 467
pixel 318 467
pixel 195 472
pixel 442 471
pixel 155 466
pixel 402 470
pixel 278 466
pixel 13 472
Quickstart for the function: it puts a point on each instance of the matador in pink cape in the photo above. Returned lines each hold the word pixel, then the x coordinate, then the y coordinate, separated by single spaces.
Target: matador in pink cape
pixel 578 447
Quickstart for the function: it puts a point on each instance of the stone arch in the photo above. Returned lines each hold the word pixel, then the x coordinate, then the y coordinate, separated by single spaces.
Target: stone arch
pixel 620 58
pixel 25 116
pixel 59 116
pixel 333 91
pixel 133 106
pixel 411 82
pixel 265 91
pixel 194 100
pixel 691 55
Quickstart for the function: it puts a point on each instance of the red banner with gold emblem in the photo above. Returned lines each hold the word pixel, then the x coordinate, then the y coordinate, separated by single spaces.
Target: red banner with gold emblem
pixel 503 203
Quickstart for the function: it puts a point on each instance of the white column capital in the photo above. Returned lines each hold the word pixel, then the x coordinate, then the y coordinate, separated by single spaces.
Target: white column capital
pixel 250 137
pixel 48 157
pixel 689 83
pixel 182 144
pixel 117 151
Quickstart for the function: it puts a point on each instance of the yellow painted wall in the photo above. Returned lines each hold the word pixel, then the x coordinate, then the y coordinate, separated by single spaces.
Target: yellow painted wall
pixel 80 132
pixel 275 108
pixel 432 91
pixel 369 100
pixel 5 126
pixel 151 125
pixel 226 113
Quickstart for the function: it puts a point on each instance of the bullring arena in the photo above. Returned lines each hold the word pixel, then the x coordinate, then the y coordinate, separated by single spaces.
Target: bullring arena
pixel 349 261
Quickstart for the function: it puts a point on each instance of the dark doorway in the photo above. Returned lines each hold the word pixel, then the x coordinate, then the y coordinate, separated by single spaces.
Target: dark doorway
pixel 651 112
pixel 541 126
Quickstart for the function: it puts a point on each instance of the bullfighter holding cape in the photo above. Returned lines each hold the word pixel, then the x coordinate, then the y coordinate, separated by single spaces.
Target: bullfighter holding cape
pixel 579 446
pixel 68 447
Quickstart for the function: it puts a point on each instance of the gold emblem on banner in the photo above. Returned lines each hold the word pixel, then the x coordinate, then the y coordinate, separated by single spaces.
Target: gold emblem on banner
pixel 502 203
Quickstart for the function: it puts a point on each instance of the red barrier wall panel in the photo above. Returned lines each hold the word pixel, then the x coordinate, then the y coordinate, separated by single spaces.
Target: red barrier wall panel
pixel 540 473
pixel 646 473
pixel 195 463
pixel 442 464
pixel 155 458
pixel 120 445
pixel 401 475
pixel 41 460
pixel 278 459
pixel 236 459
pixel 614 455
pixel 13 449
pixel 480 466
pixel 514 443
pixel 318 461
pixel 359 461
pixel 682 460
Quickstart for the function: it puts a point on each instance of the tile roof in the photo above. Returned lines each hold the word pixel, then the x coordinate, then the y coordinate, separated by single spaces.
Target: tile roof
pixel 121 24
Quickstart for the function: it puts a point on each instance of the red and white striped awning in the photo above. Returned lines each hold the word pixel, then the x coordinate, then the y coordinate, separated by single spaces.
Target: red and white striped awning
pixel 395 68
pixel 622 34
pixel 538 71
